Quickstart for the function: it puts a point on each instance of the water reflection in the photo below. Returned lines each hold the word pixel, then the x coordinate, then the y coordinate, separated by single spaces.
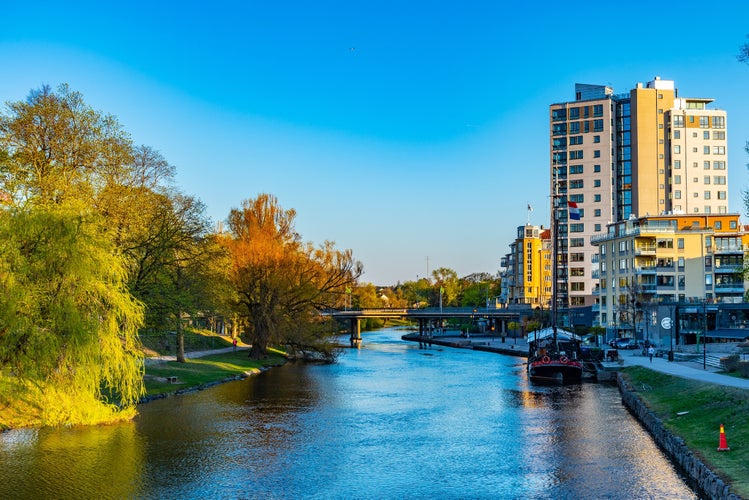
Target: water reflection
pixel 388 421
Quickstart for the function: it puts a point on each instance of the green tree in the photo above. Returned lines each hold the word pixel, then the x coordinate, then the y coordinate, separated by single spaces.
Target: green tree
pixel 56 148
pixel 281 284
pixel 68 325
pixel 446 281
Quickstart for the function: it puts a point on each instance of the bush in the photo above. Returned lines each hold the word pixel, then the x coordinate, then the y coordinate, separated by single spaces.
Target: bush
pixel 744 368
pixel 730 363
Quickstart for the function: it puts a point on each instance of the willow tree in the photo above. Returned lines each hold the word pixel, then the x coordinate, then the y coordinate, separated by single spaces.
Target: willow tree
pixel 69 351
pixel 280 283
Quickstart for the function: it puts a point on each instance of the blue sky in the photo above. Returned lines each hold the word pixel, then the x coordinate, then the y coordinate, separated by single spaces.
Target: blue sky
pixel 413 132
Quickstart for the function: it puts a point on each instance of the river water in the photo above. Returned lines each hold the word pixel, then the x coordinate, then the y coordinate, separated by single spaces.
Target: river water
pixel 387 421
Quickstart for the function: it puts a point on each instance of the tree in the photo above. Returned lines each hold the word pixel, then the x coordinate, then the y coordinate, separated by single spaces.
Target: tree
pixel 68 325
pixel 281 284
pixel 446 281
pixel 743 55
pixel 57 148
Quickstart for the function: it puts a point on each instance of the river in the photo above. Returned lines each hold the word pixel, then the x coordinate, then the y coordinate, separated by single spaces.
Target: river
pixel 390 420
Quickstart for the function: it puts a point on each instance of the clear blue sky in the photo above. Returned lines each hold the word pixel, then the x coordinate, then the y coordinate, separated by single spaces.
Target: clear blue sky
pixel 404 130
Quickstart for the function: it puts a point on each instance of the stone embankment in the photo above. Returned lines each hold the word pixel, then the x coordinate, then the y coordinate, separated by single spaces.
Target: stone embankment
pixel 705 480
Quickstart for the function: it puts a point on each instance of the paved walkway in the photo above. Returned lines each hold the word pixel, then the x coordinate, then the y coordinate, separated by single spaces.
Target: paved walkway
pixel 192 355
pixel 684 369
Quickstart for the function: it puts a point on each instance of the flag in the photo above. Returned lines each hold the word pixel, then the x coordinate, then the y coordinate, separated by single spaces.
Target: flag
pixel 530 208
pixel 573 210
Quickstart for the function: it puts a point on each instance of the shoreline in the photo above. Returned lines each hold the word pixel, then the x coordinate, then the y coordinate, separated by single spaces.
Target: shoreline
pixel 699 475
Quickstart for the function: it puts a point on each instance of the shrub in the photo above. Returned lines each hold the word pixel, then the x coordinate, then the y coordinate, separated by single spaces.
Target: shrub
pixel 744 368
pixel 730 363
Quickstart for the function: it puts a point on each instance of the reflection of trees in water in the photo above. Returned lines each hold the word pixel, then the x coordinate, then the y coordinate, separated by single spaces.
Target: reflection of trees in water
pixel 91 462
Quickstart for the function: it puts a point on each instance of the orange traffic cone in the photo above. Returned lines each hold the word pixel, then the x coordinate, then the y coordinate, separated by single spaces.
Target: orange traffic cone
pixel 722 444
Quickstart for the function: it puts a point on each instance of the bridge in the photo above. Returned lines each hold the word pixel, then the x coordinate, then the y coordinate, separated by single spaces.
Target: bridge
pixel 431 317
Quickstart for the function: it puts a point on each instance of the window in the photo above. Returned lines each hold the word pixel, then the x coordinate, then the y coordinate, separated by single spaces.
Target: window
pixel 677 149
pixel 704 121
pixel 707 179
pixel 719 165
pixel 677 179
pixel 597 125
pixel 677 134
pixel 596 168
pixel 679 121
pixel 577 286
pixel 706 135
pixel 718 225
pixel 677 164
pixel 597 228
pixel 598 110
pixel 576 184
pixel 680 243
pixel 597 183
pixel 706 150
pixel 575 128
pixel 577 242
pixel 707 195
pixel 574 113
pixel 597 212
pixel 719 179
pixel 576 169
pixel 718 150
pixel 596 197
pixel 706 165
pixel 596 139
pixel 677 194
pixel 719 122
pixel 576 198
pixel 732 224
pixel 719 135
pixel 577 271
pixel 576 140
pixel 722 196
pixel 558 114
pixel 577 228
pixel 576 155
pixel 577 257
pixel 597 153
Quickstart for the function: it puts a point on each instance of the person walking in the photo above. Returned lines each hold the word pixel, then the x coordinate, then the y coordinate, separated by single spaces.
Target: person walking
pixel 651 351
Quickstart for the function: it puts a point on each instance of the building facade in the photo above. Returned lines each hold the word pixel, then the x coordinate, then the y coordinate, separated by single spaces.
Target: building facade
pixel 642 153
pixel 527 272
pixel 667 259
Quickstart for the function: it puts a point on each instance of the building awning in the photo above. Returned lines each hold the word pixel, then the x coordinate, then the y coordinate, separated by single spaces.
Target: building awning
pixel 728 333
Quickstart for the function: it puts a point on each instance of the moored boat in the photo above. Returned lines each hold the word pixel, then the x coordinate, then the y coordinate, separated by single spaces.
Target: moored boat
pixel 554 355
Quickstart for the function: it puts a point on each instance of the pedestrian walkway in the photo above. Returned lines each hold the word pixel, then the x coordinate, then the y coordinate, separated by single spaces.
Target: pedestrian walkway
pixel 192 355
pixel 684 369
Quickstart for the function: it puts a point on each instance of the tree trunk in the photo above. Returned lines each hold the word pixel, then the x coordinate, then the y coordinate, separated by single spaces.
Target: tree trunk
pixel 180 340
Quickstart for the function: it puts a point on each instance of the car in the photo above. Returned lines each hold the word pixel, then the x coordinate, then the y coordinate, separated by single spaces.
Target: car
pixel 626 344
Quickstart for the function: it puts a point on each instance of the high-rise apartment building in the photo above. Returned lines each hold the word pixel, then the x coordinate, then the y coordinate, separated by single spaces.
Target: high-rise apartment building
pixel 617 156
pixel 527 276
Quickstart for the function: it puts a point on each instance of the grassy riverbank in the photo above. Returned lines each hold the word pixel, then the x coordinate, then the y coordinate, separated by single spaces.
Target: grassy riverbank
pixel 694 411
pixel 171 376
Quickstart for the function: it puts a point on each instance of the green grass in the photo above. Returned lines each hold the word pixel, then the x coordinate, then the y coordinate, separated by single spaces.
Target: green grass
pixel 708 406
pixel 163 343
pixel 199 371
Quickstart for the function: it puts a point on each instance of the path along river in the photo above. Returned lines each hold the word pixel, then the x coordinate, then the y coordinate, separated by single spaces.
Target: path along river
pixel 388 421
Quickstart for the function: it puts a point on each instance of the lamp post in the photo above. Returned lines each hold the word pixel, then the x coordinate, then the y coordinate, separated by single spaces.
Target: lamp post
pixel 704 335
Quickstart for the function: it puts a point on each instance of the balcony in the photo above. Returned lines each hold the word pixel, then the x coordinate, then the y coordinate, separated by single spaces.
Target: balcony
pixel 729 249
pixel 729 288
pixel 729 268
pixel 645 250
pixel 646 269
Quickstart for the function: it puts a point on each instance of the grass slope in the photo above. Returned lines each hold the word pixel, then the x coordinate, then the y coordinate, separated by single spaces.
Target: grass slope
pixel 707 406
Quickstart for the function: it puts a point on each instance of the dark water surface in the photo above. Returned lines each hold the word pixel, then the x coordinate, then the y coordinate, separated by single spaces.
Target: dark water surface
pixel 388 421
